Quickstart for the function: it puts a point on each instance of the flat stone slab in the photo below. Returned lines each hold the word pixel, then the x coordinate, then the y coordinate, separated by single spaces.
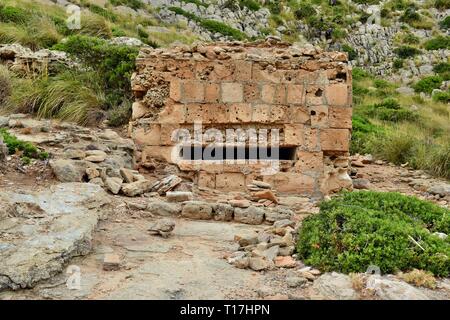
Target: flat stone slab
pixel 40 232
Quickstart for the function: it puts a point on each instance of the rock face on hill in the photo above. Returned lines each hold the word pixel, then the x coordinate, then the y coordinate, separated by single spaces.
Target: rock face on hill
pixel 40 232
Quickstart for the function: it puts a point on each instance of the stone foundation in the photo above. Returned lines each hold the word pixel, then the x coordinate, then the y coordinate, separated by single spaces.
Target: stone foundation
pixel 301 95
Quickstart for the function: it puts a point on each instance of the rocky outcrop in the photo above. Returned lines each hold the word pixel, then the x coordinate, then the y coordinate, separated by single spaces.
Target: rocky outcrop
pixel 41 232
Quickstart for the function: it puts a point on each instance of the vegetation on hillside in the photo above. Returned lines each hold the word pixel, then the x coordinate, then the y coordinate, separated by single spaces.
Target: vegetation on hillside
pixel 389 230
pixel 400 128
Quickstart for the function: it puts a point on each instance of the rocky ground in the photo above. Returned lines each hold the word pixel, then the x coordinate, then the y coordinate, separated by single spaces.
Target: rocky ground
pixel 172 241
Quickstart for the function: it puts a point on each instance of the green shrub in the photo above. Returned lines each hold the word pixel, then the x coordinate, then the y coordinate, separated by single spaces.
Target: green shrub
pixel 13 14
pixel 398 63
pixel 445 23
pixel 390 230
pixel 251 4
pixel 95 26
pixel 442 4
pixel 120 115
pixel 410 38
pixel 362 132
pixel 439 42
pixel 135 4
pixel 113 63
pixel 14 145
pixel 406 52
pixel 390 110
pixel 197 2
pixel 274 6
pixel 352 54
pixel 442 67
pixel 410 15
pixel 305 10
pixel 111 16
pixel 428 84
pixel 442 97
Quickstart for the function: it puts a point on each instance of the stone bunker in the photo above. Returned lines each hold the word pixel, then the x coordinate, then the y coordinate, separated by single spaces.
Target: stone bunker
pixel 231 113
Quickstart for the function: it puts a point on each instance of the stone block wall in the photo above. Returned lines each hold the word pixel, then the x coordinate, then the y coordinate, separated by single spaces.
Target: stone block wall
pixel 303 93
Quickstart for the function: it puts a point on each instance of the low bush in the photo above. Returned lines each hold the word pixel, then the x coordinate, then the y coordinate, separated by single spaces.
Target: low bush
pixel 406 52
pixel 398 63
pixel 439 42
pixel 26 148
pixel 442 97
pixel 363 130
pixel 390 230
pixel 14 14
pixel 390 110
pixel 442 4
pixel 352 54
pixel 428 84
pixel 305 10
pixel 251 4
pixel 113 63
pixel 135 4
pixel 445 23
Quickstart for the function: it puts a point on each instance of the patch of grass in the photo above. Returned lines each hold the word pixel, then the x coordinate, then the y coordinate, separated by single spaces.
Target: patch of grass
pixel 439 42
pixel 442 97
pixel 15 145
pixel 120 115
pixel 390 230
pixel 362 132
pixel 5 85
pixel 406 52
pixel 420 278
pixel 352 54
pixel 428 84
pixel 135 4
pixel 445 23
pixel 67 96
pixel 390 110
pixel 442 4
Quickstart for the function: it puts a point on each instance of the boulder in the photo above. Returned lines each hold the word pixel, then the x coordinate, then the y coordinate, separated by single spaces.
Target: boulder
pixel 197 210
pixel 46 230
pixel 442 189
pixel 179 196
pixel 68 170
pixel 223 212
pixel 113 184
pixel 335 286
pixel 388 288
pixel 161 208
pixel 250 215
pixel 136 188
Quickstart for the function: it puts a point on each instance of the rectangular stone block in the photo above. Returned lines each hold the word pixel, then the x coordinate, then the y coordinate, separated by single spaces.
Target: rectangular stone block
pixel 309 161
pixel 167 131
pixel 175 90
pixel 193 91
pixel 319 116
pixel 261 113
pixel 147 135
pixel 340 117
pixel 337 94
pixel 295 94
pixel 212 92
pixel 240 112
pixel 294 134
pixel 173 113
pixel 162 153
pixel 251 92
pixel 232 92
pixel 335 139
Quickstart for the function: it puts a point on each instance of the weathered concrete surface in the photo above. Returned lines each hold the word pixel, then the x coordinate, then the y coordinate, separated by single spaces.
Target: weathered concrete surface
pixel 40 232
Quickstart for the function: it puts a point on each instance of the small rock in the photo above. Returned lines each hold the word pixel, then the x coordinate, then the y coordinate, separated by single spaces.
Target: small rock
pixel 162 227
pixel 95 156
pixel 111 262
pixel 361 183
pixel 285 262
pixel 440 189
pixel 67 170
pixel 179 196
pixel 127 175
pixel 241 203
pixel 258 264
pixel 136 188
pixel 246 240
pixel 440 235
pixel 76 154
pixel 262 184
pixel 92 173
pixel 294 282
pixel 335 286
pixel 266 194
pixel 113 184
pixel 158 207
